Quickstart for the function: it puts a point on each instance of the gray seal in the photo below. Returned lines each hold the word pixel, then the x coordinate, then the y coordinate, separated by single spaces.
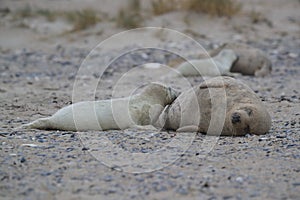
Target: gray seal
pixel 137 110
pixel 193 109
pixel 218 65
pixel 250 61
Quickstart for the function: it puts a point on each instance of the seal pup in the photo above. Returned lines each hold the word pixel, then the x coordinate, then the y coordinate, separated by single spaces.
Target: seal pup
pixel 250 61
pixel 193 110
pixel 137 110
pixel 219 65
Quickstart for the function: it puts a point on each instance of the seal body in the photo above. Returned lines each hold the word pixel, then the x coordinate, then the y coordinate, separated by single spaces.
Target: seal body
pixel 250 61
pixel 219 102
pixel 138 110
pixel 219 65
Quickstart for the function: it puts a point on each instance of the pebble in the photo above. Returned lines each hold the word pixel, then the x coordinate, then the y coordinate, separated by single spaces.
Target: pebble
pixel 42 140
pixel 160 188
pixel 239 179
pixel 85 148
pixel 280 136
pixel 69 149
pixel 182 190
pixel 284 131
pixel 263 139
pixel 293 55
pixel 29 145
pixel 22 160
pixel 45 173
pixel 296 184
pixel 108 178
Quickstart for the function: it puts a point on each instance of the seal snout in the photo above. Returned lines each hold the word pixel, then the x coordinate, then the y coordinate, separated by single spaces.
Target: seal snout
pixel 235 118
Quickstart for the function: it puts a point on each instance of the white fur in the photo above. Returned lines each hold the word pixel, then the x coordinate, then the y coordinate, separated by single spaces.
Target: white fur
pixel 137 110
pixel 216 66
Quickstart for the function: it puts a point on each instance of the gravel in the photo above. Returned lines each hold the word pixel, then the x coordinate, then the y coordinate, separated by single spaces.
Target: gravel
pixel 37 164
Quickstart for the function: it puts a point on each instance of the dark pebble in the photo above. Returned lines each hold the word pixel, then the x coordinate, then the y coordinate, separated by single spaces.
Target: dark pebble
pixel 85 148
pixel 228 197
pixel 48 147
pixel 280 136
pixel 4 134
pixel 291 145
pixel 69 149
pixel 23 160
pixel 45 173
pixel 296 184
pixel 206 184
pixel 42 140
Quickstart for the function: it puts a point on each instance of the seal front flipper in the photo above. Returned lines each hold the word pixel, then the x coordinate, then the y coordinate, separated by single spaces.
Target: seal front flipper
pixel 154 112
pixel 190 128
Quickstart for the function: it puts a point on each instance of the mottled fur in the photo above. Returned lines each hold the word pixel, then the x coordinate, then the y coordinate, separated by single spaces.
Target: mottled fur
pixel 251 61
pixel 216 99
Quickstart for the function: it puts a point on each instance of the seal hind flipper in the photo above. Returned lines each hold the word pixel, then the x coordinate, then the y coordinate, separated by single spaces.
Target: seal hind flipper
pixel 190 128
pixel 43 123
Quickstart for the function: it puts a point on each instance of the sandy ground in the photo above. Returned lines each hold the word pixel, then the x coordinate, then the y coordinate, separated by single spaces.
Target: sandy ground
pixel 40 67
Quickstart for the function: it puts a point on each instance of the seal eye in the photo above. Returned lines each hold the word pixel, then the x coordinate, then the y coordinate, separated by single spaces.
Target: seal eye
pixel 235 118
pixel 248 111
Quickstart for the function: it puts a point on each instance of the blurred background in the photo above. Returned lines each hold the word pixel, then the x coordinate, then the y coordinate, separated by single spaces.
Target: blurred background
pixel 43 24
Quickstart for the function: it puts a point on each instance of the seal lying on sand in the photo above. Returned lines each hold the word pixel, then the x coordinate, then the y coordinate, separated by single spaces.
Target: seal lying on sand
pixel 138 110
pixel 219 65
pixel 220 99
pixel 251 61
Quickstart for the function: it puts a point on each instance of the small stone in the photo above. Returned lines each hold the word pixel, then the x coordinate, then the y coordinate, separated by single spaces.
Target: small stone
pixel 206 185
pixel 263 139
pixel 23 160
pixel 228 197
pixel 239 179
pixel 69 149
pixel 161 188
pixel 108 178
pixel 140 179
pixel 144 150
pixel 280 136
pixel 45 173
pixel 42 140
pixel 296 184
pixel 182 191
pixel 293 55
pixel 29 145
pixel 145 56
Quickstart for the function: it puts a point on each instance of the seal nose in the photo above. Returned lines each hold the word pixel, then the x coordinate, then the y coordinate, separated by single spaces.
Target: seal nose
pixel 235 118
